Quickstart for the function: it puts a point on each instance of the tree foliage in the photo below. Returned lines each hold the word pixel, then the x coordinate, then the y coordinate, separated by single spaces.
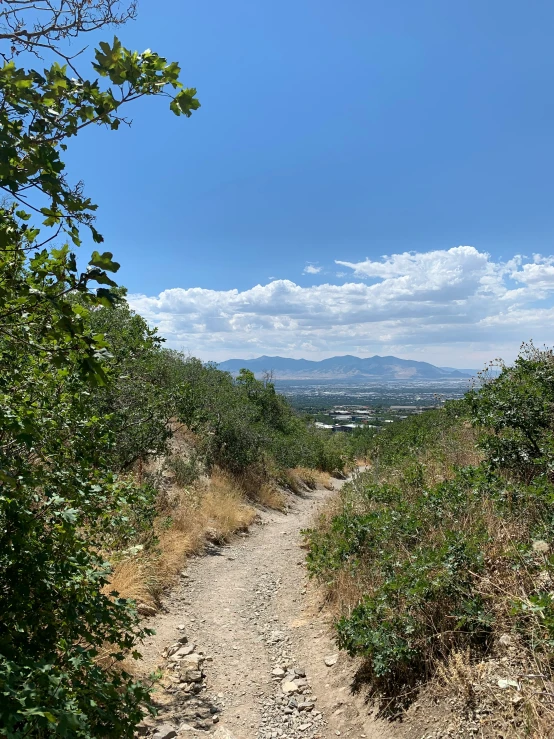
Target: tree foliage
pixel 57 488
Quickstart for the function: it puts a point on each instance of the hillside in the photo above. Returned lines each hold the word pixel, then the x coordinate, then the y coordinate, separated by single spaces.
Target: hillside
pixel 347 368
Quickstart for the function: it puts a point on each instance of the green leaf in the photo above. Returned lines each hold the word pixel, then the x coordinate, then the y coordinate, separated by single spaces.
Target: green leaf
pixel 98 275
pixel 104 261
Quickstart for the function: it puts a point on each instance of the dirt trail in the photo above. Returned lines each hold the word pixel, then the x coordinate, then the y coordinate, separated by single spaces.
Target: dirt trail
pixel 252 617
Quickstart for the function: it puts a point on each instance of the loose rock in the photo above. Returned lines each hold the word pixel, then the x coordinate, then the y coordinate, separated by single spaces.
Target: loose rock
pixel 165 731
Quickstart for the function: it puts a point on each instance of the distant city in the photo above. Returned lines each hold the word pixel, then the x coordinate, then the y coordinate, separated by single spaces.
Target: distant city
pixel 375 389
pixel 366 401
pixel 348 418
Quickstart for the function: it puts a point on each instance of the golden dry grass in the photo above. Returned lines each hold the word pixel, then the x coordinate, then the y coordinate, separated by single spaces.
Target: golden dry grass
pixel 258 485
pixel 269 496
pixel 298 479
pixel 312 478
pixel 211 510
pixel 458 673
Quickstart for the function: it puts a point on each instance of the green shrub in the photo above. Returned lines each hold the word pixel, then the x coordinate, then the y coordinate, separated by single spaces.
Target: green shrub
pixel 186 470
pixel 243 422
pixel 426 606
pixel 442 561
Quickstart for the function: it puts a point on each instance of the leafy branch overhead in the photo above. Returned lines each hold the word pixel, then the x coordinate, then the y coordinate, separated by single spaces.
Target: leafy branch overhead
pixel 40 111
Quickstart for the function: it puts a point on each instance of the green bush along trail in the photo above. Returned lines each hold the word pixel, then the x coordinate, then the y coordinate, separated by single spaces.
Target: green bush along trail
pixel 445 543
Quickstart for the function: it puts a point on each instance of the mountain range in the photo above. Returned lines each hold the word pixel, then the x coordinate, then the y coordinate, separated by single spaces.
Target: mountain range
pixel 347 368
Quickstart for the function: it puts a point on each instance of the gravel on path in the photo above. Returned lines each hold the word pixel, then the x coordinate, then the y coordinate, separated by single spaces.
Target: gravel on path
pixel 244 652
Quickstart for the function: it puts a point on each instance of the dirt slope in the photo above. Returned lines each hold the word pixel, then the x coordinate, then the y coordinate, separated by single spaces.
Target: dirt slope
pixel 254 629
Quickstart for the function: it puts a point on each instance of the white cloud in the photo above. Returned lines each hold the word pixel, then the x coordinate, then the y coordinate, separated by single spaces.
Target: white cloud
pixel 447 306
pixel 311 269
pixel 539 273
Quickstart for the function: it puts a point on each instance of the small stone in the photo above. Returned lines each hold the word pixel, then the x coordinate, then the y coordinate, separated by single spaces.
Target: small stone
pixel 289 687
pixel 165 731
pixel 193 676
pixel 331 660
pixel 507 683
pixel 181 652
pixel 278 672
pixel 191 661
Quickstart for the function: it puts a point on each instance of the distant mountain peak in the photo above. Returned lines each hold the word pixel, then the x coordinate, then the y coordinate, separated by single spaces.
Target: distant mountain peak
pixel 346 367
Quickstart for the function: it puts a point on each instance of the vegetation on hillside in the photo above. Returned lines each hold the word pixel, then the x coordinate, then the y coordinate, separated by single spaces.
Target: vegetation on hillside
pixel 88 394
pixel 444 546
pixel 79 492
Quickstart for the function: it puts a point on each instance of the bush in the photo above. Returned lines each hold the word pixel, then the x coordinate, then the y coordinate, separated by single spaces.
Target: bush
pixel 244 422
pixel 433 559
pixel 186 470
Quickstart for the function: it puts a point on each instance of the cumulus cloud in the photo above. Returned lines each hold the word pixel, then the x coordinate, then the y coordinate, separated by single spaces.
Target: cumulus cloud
pixel 445 306
pixel 311 269
pixel 539 273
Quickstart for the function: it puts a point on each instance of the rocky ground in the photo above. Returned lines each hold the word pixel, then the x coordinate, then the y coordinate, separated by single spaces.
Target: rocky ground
pixel 245 651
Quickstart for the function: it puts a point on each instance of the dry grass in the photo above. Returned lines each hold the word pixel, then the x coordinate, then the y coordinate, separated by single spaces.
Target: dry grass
pixel 512 696
pixel 312 478
pixel 458 674
pixel 300 478
pixel 210 510
pixel 259 486
pixel 292 482
pixel 269 496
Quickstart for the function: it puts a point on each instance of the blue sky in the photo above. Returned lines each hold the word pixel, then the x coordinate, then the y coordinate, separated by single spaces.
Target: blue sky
pixel 338 132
